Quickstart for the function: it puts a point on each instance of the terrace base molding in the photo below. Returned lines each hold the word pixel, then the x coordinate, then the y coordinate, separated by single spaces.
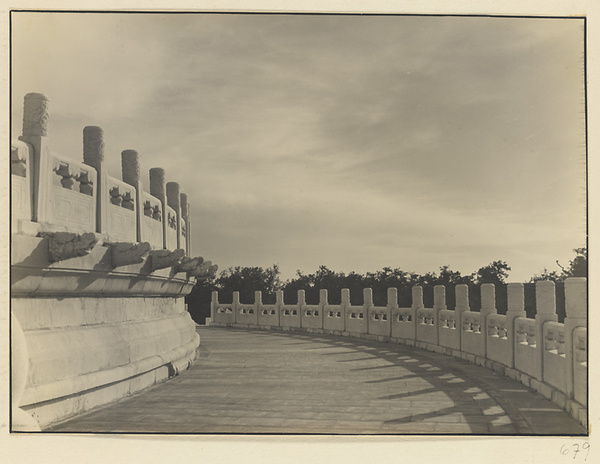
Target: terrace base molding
pixel 82 353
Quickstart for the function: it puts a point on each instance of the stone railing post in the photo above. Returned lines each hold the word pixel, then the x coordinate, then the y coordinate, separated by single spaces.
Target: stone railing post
pixel 173 200
pixel 157 189
pixel 301 304
pixel 367 305
pixel 488 306
pixel 516 308
pixel 323 302
pixel 345 305
pixel 257 304
pixel 35 132
pixel 576 309
pixel 301 299
pixel 213 304
pixel 417 297
pixel 93 155
pixel 130 165
pixel 417 303
pixel 439 303
pixel 462 305
pixel 235 305
pixel 185 214
pixel 545 311
pixel 392 299
pixel 279 302
pixel 257 300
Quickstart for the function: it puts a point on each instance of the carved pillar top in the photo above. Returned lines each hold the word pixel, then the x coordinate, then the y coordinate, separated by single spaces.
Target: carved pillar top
pixel 301 297
pixel 93 146
pixel 323 296
pixel 462 297
pixel 346 296
pixel 439 297
pixel 367 297
pixel 488 298
pixel 576 297
pixel 157 183
pixel 516 297
pixel 130 165
pixel 392 297
pixel 184 206
pixel 417 297
pixel 173 196
pixel 545 297
pixel 35 114
pixel 279 297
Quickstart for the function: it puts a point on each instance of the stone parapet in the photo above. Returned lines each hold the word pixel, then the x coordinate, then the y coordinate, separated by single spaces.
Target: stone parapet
pixel 546 355
pixel 99 269
pixel 59 193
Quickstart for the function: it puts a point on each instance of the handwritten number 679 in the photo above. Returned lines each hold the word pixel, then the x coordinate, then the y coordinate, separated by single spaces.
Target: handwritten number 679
pixel 575 448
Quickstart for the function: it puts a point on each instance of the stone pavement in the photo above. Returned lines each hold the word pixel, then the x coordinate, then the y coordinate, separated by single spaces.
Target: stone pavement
pixel 253 381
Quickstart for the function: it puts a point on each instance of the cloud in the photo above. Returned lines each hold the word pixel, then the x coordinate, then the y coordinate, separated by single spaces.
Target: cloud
pixel 351 141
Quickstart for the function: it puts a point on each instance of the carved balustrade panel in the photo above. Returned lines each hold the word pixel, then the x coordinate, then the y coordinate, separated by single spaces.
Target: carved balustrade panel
pixel 580 364
pixel 70 199
pixel 426 325
pixel 20 165
pixel 498 345
pixel 526 346
pixel 121 214
pixel 449 333
pixel 379 321
pixel 554 357
pixel 171 228
pixel 471 336
pixel 152 227
pixel 224 314
pixel 403 323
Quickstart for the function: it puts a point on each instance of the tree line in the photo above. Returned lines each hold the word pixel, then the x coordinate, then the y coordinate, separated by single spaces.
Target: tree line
pixel 247 280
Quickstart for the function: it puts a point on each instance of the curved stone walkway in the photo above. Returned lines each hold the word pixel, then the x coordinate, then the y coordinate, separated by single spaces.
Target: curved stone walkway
pixel 252 381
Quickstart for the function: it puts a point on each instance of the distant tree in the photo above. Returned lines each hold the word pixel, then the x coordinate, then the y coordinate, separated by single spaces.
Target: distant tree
pixel 449 277
pixel 494 273
pixel 548 275
pixel 577 268
pixel 247 280
pixel 579 265
pixel 198 301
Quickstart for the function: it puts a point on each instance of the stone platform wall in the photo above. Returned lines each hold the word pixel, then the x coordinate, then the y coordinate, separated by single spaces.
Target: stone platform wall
pixel 99 269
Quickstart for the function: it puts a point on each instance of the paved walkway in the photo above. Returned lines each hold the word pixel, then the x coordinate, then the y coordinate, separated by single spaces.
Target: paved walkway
pixel 252 381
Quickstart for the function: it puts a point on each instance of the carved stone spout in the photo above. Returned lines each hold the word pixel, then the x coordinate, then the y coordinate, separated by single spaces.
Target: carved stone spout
pixel 123 254
pixel 66 245
pixel 161 259
pixel 188 264
pixel 204 271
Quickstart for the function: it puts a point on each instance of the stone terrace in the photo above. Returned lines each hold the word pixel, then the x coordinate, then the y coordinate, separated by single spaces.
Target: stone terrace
pixel 254 381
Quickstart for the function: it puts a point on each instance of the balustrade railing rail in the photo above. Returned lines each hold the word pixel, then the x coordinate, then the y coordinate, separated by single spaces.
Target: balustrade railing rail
pixel 54 193
pixel 544 354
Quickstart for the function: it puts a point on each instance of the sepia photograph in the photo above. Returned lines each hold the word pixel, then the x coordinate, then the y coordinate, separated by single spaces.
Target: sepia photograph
pixel 299 224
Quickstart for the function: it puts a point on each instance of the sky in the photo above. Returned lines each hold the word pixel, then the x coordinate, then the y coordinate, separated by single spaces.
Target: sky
pixel 355 142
